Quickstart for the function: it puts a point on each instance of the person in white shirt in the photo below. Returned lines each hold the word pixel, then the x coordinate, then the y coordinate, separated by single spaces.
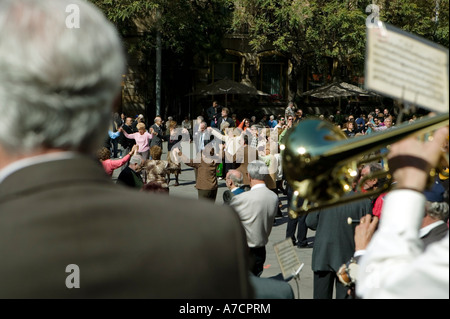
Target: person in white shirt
pixel 234 139
pixel 395 264
pixel 257 209
pixel 201 137
pixel 187 124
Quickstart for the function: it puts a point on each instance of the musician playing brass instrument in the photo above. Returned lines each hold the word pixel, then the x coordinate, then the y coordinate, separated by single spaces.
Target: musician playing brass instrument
pixel 321 163
pixel 395 264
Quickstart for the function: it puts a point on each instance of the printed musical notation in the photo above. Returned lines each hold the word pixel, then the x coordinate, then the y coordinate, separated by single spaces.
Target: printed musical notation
pixel 287 258
pixel 408 68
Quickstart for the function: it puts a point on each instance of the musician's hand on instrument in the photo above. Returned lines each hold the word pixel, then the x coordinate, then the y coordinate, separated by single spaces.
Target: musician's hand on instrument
pixel 411 160
pixel 364 231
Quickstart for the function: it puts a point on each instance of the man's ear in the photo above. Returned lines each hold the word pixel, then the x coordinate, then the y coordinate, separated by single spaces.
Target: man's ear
pixel 8 157
pixel 4 158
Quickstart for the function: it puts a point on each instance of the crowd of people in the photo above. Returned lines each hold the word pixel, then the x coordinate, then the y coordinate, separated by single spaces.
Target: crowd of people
pixel 241 146
pixel 229 136
pixel 60 210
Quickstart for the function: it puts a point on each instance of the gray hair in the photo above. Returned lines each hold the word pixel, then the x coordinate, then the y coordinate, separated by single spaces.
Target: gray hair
pixel 224 125
pixel 58 83
pixel 374 167
pixel 437 210
pixel 136 159
pixel 236 177
pixel 257 170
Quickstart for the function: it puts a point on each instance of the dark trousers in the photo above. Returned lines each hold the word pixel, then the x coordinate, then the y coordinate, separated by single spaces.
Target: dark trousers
pixel 279 213
pixel 257 259
pixel 114 147
pixel 207 194
pixel 299 223
pixel 302 230
pixel 227 167
pixel 323 286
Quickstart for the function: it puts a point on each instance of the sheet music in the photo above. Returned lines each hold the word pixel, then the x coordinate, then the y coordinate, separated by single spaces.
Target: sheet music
pixel 287 257
pixel 406 67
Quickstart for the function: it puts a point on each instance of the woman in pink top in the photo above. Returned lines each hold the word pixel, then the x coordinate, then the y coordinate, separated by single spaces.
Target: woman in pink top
pixel 142 138
pixel 109 165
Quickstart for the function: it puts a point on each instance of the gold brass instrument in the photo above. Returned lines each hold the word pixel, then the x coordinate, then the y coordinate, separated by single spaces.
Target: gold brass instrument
pixel 321 164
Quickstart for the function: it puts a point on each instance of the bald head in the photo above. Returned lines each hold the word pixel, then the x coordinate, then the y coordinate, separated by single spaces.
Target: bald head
pixel 234 179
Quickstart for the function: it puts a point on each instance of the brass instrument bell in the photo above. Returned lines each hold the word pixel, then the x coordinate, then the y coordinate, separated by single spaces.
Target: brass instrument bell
pixel 321 164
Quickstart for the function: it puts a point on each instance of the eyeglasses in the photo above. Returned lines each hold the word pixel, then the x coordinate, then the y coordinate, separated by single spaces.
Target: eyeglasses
pixel 290 119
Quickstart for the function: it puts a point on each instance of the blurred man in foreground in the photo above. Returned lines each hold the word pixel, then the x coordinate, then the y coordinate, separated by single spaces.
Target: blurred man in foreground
pixel 66 230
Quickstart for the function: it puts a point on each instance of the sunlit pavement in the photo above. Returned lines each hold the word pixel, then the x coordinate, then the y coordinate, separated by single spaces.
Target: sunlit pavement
pixel 303 288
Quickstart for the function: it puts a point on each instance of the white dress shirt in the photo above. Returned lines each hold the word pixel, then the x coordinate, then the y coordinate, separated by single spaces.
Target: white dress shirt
pixel 201 142
pixel 395 264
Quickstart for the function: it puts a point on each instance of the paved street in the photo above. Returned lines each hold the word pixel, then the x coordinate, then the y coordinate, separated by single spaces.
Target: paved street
pixel 271 267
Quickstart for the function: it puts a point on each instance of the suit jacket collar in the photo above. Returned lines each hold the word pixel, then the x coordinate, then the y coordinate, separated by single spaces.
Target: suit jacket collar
pixel 37 176
pixel 32 160
pixel 427 229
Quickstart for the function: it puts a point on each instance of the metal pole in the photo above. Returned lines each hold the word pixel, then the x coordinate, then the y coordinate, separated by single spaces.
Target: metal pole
pixel 436 12
pixel 158 67
pixel 158 74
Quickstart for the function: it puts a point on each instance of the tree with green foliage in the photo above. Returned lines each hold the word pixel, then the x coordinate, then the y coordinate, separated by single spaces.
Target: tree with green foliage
pixel 328 36
pixel 317 36
pixel 426 18
pixel 196 25
pixel 191 33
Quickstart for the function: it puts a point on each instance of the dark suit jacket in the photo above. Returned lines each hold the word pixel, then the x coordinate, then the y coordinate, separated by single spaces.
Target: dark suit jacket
pixel 130 178
pixel 271 288
pixel 157 138
pixel 125 142
pixel 228 119
pixel 69 212
pixel 228 195
pixel 213 113
pixel 436 234
pixel 334 243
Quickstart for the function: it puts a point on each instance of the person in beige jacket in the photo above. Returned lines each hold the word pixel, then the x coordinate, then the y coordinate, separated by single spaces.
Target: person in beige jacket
pixel 206 177
pixel 256 209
